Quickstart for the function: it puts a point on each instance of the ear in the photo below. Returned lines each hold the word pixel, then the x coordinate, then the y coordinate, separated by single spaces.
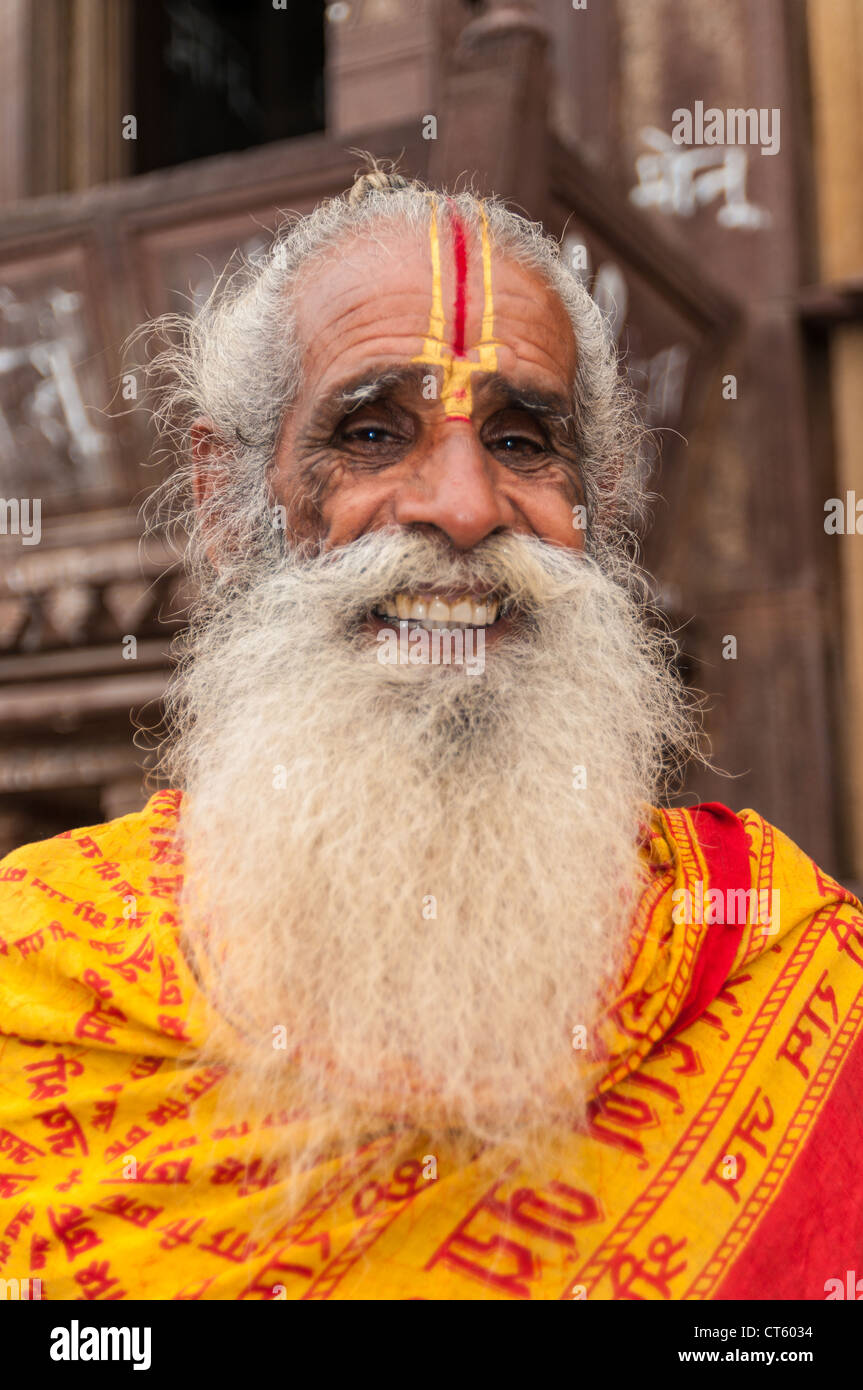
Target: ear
pixel 205 450
pixel 209 470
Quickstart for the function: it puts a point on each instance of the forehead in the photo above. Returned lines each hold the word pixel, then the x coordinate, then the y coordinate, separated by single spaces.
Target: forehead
pixel 370 302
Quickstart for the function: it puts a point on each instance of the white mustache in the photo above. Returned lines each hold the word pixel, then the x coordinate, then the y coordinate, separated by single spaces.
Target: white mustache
pixel 352 580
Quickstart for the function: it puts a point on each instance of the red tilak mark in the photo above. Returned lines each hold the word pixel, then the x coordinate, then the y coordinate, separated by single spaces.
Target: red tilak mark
pixel 459 417
pixel 460 250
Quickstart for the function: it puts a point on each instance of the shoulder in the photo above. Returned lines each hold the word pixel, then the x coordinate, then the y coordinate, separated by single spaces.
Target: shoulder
pixel 757 876
pixel 743 850
pixel 713 840
pixel 89 929
pixel 97 870
pixel 778 864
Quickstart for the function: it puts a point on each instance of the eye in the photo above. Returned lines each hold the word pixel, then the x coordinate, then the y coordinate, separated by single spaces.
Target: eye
pixel 512 443
pixel 384 427
pixel 374 442
pixel 515 449
pixel 368 434
pixel 515 437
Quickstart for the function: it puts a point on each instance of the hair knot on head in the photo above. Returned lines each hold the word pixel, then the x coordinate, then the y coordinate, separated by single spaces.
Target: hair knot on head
pixel 376 181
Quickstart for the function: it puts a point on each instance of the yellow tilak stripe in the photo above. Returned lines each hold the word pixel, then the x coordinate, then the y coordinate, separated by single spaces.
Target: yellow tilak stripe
pixel 436 319
pixel 487 346
pixel 455 391
pixel 433 346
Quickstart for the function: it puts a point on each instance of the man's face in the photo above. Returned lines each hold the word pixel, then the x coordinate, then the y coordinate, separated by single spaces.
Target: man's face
pixel 404 420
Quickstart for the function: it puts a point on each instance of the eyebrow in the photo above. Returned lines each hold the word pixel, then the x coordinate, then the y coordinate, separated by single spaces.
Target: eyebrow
pixel 369 387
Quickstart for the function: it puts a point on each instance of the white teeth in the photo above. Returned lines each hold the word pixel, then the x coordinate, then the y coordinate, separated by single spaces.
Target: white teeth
pixel 439 612
pixel 461 611
pixel 465 610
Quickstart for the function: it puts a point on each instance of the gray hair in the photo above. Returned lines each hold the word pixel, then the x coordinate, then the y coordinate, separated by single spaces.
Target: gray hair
pixel 237 363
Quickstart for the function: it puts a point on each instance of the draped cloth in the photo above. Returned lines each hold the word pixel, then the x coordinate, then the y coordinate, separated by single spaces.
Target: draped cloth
pixel 720 1159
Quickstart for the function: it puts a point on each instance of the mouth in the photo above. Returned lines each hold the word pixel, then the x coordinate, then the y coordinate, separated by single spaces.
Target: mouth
pixel 443 610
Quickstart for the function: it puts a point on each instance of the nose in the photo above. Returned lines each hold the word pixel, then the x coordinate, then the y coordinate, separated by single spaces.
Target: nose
pixel 455 490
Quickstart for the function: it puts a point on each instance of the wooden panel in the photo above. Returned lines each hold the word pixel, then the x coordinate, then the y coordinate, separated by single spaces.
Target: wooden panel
pixel 55 444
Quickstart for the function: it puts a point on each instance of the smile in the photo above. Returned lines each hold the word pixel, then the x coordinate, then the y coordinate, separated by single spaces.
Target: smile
pixel 433 610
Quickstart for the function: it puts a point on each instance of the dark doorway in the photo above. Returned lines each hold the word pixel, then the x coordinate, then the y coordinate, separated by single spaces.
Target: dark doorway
pixel 213 76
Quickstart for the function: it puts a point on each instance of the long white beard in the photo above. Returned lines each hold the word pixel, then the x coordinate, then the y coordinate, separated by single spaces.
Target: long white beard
pixel 397 866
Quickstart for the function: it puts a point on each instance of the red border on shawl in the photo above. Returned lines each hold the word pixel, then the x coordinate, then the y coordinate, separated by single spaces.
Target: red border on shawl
pixel 722 840
pixel 812 1230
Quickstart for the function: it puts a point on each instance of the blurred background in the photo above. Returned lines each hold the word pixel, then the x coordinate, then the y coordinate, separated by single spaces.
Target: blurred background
pixel 143 140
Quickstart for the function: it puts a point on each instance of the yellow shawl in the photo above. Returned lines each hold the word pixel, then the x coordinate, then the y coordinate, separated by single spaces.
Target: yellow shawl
pixel 718 1163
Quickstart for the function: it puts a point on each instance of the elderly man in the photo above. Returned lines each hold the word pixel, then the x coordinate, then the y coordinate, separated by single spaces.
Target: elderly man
pixel 411 988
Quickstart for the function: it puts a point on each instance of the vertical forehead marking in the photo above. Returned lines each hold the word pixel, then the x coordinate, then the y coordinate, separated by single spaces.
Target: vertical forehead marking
pixel 436 320
pixel 457 367
pixel 487 346
pixel 459 243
